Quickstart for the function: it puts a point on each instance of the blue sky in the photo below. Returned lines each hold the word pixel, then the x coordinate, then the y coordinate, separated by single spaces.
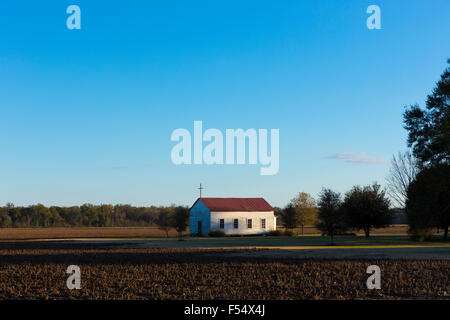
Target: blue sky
pixel 87 114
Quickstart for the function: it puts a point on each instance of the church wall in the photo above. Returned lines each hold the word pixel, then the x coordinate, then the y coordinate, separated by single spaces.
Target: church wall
pixel 243 217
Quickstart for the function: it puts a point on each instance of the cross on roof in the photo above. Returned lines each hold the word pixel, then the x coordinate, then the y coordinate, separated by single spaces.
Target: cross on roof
pixel 200 188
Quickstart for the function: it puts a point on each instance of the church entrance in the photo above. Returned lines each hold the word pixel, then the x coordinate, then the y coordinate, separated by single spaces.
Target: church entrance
pixel 199 228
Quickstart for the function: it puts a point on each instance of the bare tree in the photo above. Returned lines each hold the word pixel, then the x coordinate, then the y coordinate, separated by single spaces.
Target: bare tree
pixel 403 171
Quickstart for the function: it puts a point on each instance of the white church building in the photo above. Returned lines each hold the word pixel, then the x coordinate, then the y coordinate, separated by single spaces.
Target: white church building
pixel 233 216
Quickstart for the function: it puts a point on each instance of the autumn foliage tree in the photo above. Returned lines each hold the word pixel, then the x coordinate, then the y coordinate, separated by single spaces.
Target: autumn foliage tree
pixel 305 208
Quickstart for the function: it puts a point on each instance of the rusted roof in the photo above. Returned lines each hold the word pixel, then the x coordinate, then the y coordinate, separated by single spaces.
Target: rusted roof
pixel 236 204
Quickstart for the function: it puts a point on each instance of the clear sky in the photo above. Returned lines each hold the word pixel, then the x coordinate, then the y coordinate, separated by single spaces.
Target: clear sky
pixel 86 115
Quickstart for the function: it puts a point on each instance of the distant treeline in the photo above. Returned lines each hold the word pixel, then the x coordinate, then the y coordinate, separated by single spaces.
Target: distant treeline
pixel 86 215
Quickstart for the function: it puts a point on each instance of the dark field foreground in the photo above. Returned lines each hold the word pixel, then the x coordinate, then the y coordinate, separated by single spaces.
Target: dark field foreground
pixel 109 273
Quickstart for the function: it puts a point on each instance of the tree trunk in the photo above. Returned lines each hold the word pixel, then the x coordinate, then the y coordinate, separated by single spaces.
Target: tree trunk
pixel 445 233
pixel 302 228
pixel 367 232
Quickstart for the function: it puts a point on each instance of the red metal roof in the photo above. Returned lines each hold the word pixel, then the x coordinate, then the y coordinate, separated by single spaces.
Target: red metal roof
pixel 236 204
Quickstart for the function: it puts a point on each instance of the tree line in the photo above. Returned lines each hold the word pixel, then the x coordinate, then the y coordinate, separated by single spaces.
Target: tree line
pixel 89 215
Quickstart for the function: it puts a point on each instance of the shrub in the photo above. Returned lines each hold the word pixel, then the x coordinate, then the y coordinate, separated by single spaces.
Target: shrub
pixel 279 233
pixel 275 233
pixel 420 234
pixel 216 233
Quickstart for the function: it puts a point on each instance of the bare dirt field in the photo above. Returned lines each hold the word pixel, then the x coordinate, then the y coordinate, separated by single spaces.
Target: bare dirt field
pixel 129 264
pixel 37 270
pixel 39 273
